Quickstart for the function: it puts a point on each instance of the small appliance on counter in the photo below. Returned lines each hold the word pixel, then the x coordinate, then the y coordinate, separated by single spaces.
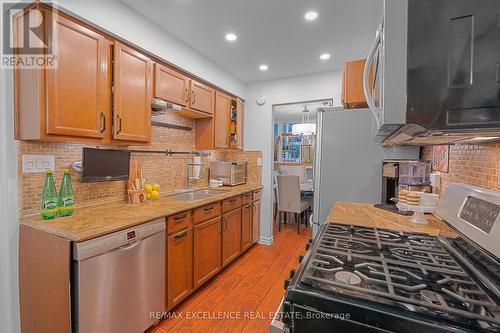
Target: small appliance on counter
pixel 403 174
pixel 230 173
pixel 367 279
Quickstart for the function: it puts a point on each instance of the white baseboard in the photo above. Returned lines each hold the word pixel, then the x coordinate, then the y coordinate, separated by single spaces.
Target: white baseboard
pixel 266 240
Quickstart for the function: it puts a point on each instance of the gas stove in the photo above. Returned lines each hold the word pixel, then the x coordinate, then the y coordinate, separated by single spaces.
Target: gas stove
pixel 362 279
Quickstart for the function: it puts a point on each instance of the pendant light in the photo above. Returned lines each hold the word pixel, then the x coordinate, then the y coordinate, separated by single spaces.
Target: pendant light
pixel 305 127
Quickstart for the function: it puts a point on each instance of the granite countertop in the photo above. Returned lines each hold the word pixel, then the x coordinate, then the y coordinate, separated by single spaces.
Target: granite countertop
pixel 91 222
pixel 367 215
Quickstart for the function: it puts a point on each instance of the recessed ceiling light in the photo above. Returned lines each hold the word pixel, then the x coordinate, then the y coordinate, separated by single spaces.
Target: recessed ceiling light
pixel 231 37
pixel 263 67
pixel 325 56
pixel 311 16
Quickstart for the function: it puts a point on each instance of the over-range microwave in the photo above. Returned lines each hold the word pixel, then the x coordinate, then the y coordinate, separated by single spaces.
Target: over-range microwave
pixel 436 72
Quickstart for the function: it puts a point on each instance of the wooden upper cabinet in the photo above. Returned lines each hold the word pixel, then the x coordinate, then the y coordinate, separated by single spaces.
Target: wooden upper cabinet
pixel 171 86
pixel 221 120
pixel 133 74
pixel 201 98
pixel 78 91
pixel 71 102
pixel 353 95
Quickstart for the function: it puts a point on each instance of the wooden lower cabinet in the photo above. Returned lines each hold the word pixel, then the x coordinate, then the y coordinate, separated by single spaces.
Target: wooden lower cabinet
pixel 255 221
pixel 207 250
pixel 179 266
pixel 246 227
pixel 231 236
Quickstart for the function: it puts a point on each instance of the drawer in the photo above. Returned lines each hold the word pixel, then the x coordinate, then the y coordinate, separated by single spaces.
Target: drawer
pixel 207 212
pixel 246 198
pixel 257 194
pixel 178 222
pixel 231 203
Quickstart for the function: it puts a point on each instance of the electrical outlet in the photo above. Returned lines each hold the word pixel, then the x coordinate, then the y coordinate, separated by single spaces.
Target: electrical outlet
pixel 259 161
pixel 38 163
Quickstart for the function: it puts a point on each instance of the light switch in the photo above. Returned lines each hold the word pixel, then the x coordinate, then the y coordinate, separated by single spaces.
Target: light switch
pixel 38 163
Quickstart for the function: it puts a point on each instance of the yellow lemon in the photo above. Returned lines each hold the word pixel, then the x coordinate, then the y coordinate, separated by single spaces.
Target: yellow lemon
pixel 155 195
pixel 148 188
pixel 148 195
pixel 156 187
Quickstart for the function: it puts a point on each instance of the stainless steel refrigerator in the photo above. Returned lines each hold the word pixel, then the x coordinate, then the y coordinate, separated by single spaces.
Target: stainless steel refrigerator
pixel 348 161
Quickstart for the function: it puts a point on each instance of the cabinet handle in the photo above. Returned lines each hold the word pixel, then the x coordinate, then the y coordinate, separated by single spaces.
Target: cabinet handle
pixel 208 208
pixel 180 217
pixel 193 97
pixel 221 226
pixel 186 94
pixel 176 237
pixel 119 124
pixel 232 200
pixel 103 122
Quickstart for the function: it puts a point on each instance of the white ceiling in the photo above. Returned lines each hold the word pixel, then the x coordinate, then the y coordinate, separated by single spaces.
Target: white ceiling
pixel 293 112
pixel 273 32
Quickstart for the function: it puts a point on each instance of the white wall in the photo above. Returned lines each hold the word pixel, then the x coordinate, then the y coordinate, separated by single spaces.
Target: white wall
pixel 122 21
pixel 259 121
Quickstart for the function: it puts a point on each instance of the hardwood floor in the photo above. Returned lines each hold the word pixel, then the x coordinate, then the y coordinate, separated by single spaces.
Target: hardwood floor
pixel 244 296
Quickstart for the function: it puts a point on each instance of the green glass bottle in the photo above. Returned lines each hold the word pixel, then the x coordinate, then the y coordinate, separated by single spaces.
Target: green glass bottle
pixel 66 197
pixel 49 198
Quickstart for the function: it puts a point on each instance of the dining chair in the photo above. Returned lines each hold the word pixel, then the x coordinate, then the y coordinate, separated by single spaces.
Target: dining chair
pixel 288 195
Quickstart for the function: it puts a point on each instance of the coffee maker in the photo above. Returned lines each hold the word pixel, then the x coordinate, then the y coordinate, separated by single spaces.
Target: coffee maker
pixel 413 174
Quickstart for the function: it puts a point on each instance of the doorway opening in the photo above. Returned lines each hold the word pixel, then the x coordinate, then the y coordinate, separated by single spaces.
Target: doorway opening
pixel 294 139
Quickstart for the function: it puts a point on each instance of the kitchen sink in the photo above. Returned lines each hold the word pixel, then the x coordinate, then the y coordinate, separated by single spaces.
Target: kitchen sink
pixel 196 194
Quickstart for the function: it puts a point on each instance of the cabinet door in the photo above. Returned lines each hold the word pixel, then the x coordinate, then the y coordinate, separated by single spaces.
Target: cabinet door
pixel 79 91
pixel 354 95
pixel 132 95
pixel 222 109
pixel 231 236
pixel 256 221
pixel 202 97
pixel 239 123
pixel 179 266
pixel 171 85
pixel 246 227
pixel 207 250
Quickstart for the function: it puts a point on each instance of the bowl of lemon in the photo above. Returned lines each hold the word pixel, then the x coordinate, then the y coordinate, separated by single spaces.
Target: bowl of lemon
pixel 152 191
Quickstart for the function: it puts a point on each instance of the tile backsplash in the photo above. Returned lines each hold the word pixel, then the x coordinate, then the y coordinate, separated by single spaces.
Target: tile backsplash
pixel 168 171
pixel 474 164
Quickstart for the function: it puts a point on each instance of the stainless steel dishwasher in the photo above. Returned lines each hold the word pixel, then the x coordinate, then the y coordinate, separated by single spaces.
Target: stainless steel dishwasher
pixel 119 280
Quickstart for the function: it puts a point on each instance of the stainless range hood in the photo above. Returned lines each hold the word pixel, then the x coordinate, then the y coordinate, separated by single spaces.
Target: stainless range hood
pixel 159 105
pixel 436 68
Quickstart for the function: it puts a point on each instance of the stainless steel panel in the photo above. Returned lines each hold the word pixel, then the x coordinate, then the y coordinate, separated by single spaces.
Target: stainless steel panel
pixel 349 163
pixel 119 289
